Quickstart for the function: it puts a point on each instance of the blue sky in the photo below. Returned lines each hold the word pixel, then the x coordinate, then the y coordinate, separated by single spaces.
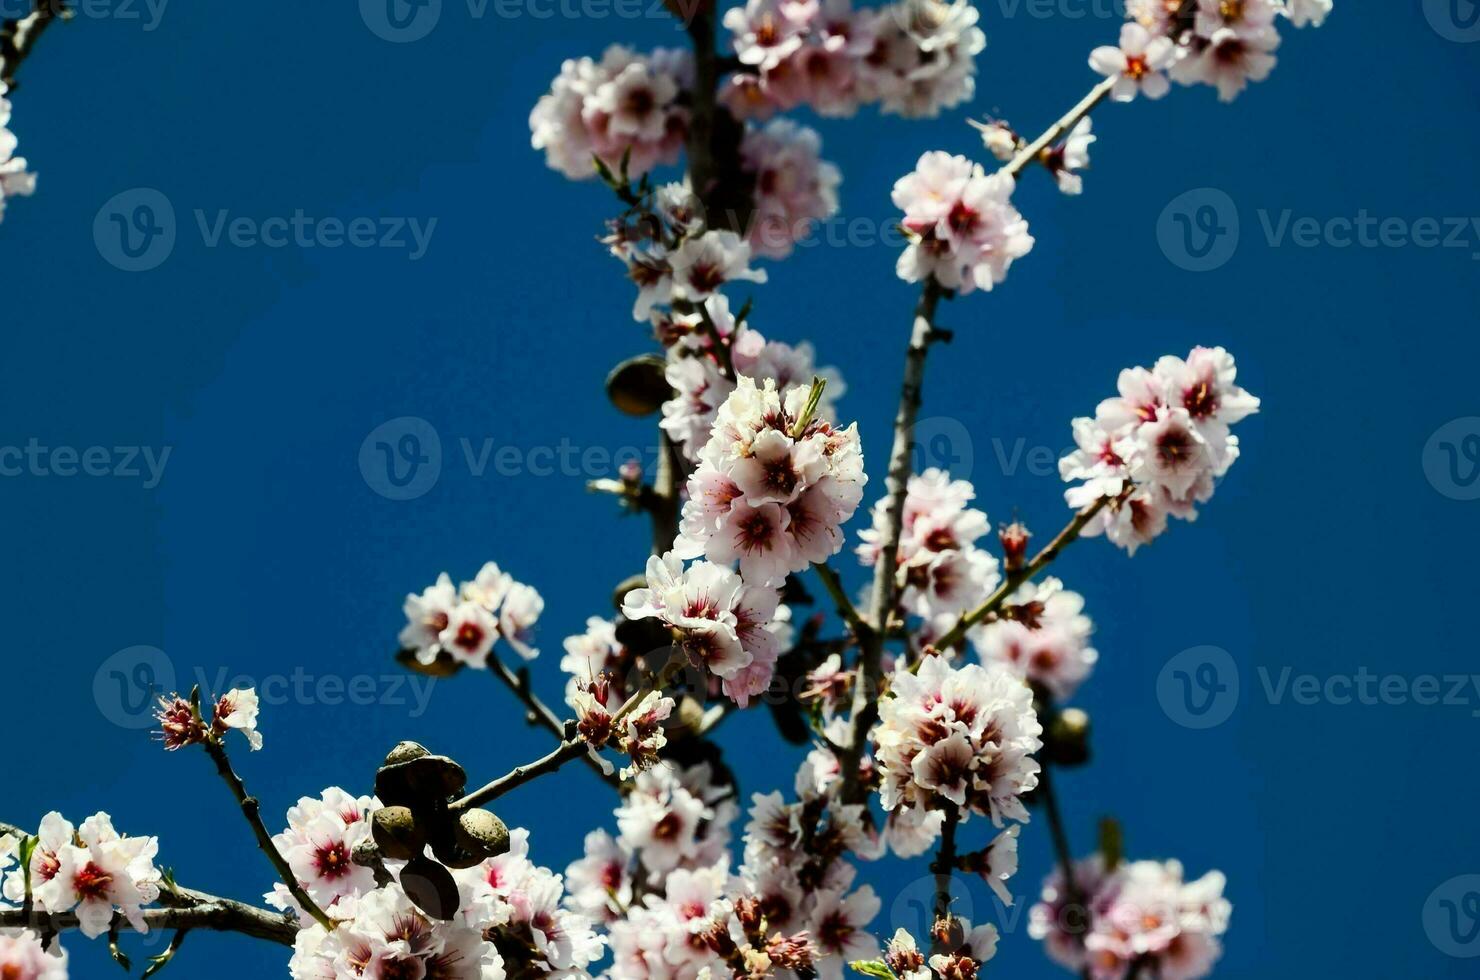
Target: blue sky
pixel 1339 547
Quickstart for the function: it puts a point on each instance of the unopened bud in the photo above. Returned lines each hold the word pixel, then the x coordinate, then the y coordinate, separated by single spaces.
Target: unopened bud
pixel 1014 538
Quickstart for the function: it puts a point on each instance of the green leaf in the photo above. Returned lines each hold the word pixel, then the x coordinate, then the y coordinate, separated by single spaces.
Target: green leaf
pixel 872 968
pixel 157 963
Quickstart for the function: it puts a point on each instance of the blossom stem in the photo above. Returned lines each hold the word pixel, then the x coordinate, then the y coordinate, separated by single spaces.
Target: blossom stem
pixel 662 503
pixel 252 811
pixel 1061 848
pixel 1057 131
pixel 846 609
pixel 1070 533
pixel 865 704
pixel 539 713
pixel 721 349
pixel 945 861
pixel 569 749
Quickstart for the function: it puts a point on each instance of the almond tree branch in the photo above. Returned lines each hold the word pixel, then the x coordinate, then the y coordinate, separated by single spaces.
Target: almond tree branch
pixel 1059 129
pixel 184 908
pixel 573 745
pixel 1070 533
pixel 252 810
pixel 865 703
pixel 540 713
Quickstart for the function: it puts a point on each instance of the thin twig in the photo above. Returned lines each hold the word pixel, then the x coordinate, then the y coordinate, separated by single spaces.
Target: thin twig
pixel 956 634
pixel 539 712
pixel 19 36
pixel 206 911
pixel 566 750
pixel 945 862
pixel 1057 131
pixel 252 811
pixel 865 703
pixel 846 609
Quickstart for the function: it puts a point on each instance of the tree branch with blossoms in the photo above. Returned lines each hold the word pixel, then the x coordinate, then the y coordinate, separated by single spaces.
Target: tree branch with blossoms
pixel 943 706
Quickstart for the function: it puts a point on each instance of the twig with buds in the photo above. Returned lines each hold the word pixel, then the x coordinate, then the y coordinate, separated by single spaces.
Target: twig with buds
pixel 865 706
pixel 1057 131
pixel 573 745
pixel 956 634
pixel 539 713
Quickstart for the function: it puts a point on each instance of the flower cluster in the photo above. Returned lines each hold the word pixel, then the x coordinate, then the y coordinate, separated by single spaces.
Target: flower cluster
pixel 624 108
pixel 774 484
pixel 510 917
pixel 1140 912
pixel 1042 634
pixel 15 180
pixel 180 723
pixel 673 264
pixel 1157 448
pixel 462 624
pixel 795 872
pixel 957 736
pixel 794 186
pixel 963 229
pixel 959 951
pixel 91 870
pixel 1221 43
pixel 913 57
pixel 941 572
pixel 700 385
pixel 384 935
pixel 22 957
pixel 319 845
pixel 638 731
pixel 722 622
